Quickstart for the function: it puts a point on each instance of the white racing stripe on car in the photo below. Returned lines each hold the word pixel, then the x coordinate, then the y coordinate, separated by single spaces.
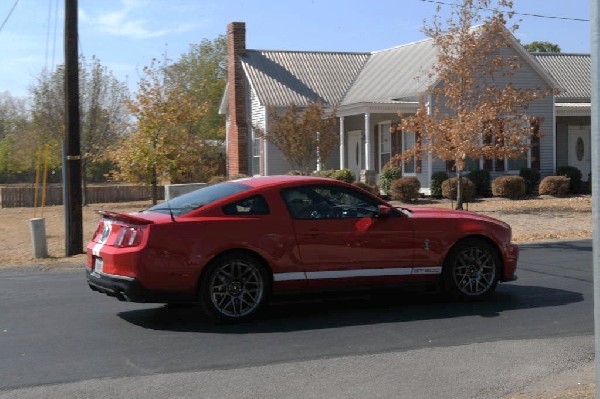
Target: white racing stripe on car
pixel 332 274
pixel 103 238
pixel 96 249
pixel 289 276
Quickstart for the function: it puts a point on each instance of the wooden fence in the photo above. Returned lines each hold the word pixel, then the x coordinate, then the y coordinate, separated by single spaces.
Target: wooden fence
pixel 19 196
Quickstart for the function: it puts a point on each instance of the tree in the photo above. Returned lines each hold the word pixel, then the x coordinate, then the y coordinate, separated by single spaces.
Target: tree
pixel 542 47
pixel 14 122
pixel 164 145
pixel 103 107
pixel 474 110
pixel 203 72
pixel 302 135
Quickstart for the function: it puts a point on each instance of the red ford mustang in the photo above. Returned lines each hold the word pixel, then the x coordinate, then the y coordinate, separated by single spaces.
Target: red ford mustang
pixel 229 246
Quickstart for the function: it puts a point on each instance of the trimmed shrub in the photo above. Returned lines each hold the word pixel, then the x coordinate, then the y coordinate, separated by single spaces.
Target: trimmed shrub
pixel 386 177
pixel 532 177
pixel 323 173
pixel 449 189
pixel 481 179
pixel 556 186
pixel 295 173
pixel 512 187
pixel 436 183
pixel 574 174
pixel 405 189
pixel 371 189
pixel 345 175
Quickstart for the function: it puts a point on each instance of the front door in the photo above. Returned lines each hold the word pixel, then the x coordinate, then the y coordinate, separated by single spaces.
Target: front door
pixel 579 149
pixel 354 152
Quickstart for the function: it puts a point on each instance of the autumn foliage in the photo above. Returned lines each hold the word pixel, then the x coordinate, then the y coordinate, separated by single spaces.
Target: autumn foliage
pixel 302 135
pixel 473 109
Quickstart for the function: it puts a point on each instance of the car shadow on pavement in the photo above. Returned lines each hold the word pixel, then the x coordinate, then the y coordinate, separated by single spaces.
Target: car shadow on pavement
pixel 311 312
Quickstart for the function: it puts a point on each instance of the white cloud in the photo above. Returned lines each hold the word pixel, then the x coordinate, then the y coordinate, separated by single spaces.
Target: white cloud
pixel 123 22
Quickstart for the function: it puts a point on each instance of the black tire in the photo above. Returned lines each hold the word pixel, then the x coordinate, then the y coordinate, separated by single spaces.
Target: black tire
pixel 471 270
pixel 234 287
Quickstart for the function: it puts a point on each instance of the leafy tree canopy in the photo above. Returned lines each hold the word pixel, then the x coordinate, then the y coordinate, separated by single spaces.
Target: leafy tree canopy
pixel 542 47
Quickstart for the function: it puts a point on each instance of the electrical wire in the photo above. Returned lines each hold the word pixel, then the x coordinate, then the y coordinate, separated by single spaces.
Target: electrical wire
pixel 511 12
pixel 9 14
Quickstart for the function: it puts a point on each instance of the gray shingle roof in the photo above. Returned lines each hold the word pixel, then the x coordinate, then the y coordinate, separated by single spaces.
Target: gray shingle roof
pixel 283 77
pixel 572 72
pixel 397 73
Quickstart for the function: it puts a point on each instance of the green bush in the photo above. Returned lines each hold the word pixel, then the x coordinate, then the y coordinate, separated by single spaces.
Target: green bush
pixel 449 189
pixel 556 186
pixel 323 173
pixel 345 175
pixel 512 187
pixel 386 177
pixel 481 179
pixel 532 177
pixel 572 173
pixel 295 173
pixel 405 189
pixel 436 183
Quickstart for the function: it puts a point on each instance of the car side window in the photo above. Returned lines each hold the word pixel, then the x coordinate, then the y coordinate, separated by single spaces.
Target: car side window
pixel 328 202
pixel 255 205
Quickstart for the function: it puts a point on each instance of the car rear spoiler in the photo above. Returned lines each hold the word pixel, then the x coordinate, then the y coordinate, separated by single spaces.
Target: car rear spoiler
pixel 123 217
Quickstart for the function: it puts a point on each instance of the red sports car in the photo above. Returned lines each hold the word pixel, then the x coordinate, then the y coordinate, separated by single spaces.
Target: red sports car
pixel 229 246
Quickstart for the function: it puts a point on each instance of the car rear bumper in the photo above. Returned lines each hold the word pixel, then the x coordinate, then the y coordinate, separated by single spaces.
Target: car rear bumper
pixel 131 290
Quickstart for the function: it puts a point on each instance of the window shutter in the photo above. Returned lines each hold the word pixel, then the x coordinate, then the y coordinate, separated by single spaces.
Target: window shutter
pixel 419 161
pixel 535 144
pixel 377 149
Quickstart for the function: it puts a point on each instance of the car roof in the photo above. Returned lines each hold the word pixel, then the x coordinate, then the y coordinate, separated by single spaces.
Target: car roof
pixel 264 181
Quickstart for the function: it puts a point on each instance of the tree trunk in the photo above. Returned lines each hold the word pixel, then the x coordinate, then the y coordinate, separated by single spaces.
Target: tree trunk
pixel 459 199
pixel 154 188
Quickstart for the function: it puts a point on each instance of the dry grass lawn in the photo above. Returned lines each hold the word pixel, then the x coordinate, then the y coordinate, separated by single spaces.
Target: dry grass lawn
pixel 533 219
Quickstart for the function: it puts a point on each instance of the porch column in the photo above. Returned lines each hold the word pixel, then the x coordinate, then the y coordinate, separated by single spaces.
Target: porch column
pixel 342 144
pixel 368 157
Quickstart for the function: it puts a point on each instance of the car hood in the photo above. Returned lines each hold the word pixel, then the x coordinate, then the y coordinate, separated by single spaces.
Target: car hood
pixel 437 213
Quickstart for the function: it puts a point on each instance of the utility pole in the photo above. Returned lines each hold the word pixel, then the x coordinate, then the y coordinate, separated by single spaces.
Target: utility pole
pixel 72 194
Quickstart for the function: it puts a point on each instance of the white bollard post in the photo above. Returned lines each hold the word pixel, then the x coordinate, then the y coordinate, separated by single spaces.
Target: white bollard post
pixel 37 227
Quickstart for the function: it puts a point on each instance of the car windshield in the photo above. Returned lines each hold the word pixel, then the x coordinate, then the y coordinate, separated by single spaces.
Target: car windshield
pixel 199 198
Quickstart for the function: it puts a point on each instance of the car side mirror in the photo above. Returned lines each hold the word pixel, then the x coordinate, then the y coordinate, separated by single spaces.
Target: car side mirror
pixel 386 211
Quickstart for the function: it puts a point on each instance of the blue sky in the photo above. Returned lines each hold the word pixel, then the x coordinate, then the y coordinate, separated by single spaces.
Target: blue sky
pixel 126 34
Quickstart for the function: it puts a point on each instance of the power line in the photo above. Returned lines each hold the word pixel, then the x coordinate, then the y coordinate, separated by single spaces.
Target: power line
pixel 513 12
pixel 9 14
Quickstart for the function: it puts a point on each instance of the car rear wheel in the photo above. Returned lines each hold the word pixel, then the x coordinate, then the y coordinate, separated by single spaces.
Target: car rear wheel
pixel 234 287
pixel 471 270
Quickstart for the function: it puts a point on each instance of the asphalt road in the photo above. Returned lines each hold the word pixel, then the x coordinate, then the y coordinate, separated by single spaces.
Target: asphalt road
pixel 60 339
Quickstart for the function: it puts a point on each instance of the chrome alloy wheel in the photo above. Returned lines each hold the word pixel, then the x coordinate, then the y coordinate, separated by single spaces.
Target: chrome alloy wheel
pixel 474 271
pixel 236 288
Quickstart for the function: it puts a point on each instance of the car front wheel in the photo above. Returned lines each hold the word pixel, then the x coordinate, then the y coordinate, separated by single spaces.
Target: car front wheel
pixel 471 270
pixel 234 287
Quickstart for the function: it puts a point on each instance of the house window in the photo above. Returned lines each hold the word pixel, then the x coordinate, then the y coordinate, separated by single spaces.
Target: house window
pixel 385 143
pixel 408 142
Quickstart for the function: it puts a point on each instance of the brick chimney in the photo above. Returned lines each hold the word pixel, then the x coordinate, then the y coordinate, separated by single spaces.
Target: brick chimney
pixel 237 138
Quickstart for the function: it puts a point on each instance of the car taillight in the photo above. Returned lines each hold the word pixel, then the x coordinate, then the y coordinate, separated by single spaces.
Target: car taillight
pixel 129 236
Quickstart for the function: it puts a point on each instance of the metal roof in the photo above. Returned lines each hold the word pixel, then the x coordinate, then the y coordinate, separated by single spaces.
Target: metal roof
pixel 280 78
pixel 399 73
pixel 572 72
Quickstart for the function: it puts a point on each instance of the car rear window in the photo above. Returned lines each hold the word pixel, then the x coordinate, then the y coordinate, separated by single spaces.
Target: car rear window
pixel 199 198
